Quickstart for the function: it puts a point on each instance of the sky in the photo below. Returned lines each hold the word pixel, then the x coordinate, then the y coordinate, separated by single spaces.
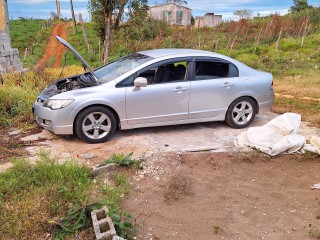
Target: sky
pixel 43 8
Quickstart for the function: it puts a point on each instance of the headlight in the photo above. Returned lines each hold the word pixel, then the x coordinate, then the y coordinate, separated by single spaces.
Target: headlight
pixel 55 104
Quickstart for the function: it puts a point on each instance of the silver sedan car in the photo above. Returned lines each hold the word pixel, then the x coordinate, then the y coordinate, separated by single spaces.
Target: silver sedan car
pixel 153 88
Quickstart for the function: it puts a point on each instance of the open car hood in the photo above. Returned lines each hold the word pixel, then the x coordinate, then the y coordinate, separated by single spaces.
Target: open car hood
pixel 78 56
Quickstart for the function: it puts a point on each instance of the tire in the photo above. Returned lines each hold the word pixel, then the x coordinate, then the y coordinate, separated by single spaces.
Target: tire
pixel 95 124
pixel 241 112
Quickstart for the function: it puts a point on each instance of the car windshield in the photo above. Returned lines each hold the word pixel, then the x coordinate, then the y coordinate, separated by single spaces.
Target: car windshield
pixel 120 66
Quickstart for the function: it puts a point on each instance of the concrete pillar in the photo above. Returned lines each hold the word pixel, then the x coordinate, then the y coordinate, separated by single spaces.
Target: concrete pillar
pixel 4 17
pixel 9 58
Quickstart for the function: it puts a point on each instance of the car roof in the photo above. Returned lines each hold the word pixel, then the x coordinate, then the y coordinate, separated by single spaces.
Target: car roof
pixel 156 53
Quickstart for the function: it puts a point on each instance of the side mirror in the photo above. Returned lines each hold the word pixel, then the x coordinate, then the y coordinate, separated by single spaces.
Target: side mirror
pixel 140 82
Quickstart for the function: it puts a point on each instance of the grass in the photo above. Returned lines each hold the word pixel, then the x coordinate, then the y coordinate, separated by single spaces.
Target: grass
pixel 24 31
pixel 308 109
pixel 56 198
pixel 28 33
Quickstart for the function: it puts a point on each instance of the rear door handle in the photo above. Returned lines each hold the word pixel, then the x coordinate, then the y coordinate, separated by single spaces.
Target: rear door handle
pixel 227 84
pixel 180 89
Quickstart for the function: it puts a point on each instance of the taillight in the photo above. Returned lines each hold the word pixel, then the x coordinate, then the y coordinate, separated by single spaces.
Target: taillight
pixel 271 87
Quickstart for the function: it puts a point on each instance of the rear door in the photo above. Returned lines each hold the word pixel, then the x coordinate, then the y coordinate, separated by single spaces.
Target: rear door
pixel 214 86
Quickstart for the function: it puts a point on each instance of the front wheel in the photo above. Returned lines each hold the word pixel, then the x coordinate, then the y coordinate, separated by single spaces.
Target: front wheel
pixel 241 112
pixel 95 124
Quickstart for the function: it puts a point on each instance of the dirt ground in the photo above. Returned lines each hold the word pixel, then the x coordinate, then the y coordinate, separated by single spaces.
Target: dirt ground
pixel 226 196
pixel 54 48
pixel 227 193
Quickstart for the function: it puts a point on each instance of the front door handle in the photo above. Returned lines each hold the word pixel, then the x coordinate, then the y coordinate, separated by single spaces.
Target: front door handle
pixel 180 89
pixel 227 85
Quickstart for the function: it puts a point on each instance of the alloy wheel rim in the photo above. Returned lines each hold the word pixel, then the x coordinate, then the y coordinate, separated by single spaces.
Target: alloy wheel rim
pixel 96 125
pixel 242 113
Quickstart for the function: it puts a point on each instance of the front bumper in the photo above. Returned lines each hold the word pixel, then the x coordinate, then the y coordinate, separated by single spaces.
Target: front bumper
pixel 57 121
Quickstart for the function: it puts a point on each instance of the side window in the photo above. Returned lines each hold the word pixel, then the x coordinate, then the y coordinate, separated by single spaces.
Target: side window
pixel 179 17
pixel 170 72
pixel 166 15
pixel 211 70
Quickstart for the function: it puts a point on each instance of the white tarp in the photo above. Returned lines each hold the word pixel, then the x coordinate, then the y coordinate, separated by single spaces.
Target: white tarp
pixel 315 141
pixel 277 136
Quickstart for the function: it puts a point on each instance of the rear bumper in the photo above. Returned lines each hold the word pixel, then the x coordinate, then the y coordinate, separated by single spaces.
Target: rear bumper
pixel 265 107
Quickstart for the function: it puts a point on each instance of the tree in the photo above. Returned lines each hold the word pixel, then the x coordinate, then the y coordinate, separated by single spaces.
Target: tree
pixel 102 12
pixel 243 13
pixel 138 11
pixel 120 6
pixel 300 5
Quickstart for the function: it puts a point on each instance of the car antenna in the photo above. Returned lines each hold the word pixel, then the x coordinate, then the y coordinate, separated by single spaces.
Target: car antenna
pixel 64 64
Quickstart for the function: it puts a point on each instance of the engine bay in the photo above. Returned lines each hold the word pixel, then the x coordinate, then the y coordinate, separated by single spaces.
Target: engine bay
pixel 68 84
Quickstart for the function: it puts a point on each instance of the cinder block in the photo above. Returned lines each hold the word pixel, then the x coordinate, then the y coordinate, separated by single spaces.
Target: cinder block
pixel 108 167
pixel 4 53
pixel 5 41
pixel 7 46
pixel 102 224
pixel 15 51
pixel 117 238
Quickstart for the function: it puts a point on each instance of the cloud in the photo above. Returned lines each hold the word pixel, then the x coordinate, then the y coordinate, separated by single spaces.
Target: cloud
pixel 44 1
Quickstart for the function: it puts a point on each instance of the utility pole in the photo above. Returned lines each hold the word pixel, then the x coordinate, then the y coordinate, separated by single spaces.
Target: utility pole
pixel 58 8
pixel 73 18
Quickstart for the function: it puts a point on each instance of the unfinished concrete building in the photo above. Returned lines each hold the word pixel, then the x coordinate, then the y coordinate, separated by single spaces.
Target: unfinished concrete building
pixel 172 13
pixel 208 20
pixel 9 57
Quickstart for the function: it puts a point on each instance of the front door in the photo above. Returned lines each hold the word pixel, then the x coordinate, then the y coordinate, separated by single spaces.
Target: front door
pixel 165 98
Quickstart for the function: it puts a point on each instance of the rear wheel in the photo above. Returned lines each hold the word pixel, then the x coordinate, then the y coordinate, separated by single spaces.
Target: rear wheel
pixel 95 124
pixel 241 112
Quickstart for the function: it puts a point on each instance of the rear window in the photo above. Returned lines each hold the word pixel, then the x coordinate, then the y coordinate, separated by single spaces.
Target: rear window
pixel 211 70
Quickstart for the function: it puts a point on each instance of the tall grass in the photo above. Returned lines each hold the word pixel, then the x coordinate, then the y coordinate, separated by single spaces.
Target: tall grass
pixel 19 90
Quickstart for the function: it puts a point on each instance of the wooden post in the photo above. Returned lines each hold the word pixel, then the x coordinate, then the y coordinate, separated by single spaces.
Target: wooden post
pixel 25 53
pixel 84 32
pixel 278 41
pixel 232 44
pixel 305 32
pixel 258 39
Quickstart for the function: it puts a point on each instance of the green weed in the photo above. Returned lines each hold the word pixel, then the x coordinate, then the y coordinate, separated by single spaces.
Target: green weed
pixel 122 160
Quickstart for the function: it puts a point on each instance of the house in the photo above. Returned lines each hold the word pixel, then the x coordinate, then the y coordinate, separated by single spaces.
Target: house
pixel 208 20
pixel 172 13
